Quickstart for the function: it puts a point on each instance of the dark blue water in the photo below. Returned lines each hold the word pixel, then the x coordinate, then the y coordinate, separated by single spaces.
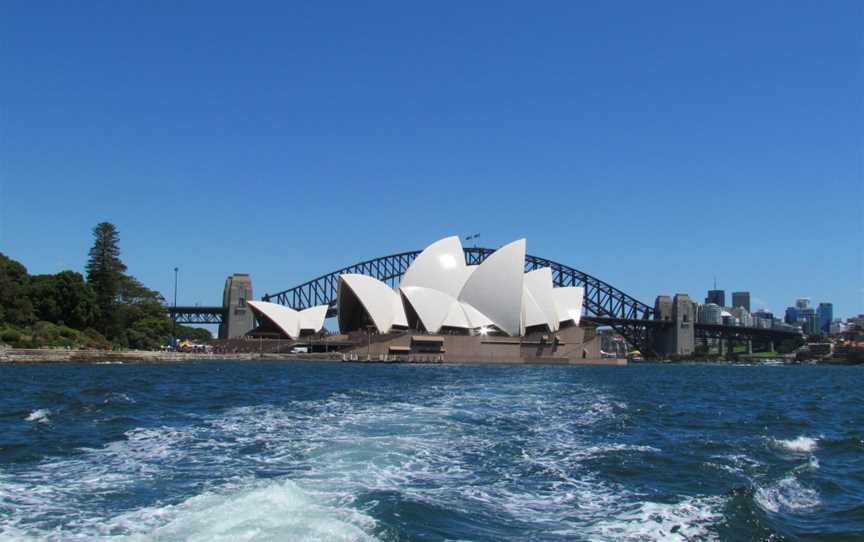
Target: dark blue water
pixel 279 451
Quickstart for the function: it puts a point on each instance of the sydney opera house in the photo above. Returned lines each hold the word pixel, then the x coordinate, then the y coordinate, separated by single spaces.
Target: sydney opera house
pixel 446 310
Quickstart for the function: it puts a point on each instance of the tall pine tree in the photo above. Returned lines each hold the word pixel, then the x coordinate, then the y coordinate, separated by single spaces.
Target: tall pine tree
pixel 105 274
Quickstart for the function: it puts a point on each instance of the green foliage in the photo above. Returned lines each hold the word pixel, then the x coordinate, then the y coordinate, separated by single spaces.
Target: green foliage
pixel 63 298
pixel 105 273
pixel 109 309
pixel 194 334
pixel 48 334
pixel 90 338
pixel 15 306
pixel 10 336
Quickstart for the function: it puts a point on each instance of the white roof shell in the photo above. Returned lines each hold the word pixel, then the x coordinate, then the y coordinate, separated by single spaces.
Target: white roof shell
pixel 441 266
pixel 457 317
pixel 312 319
pixel 431 306
pixel 568 303
pixel 538 288
pixel 475 318
pixel 285 318
pixel 495 288
pixel 383 305
pixel 532 315
pixel 288 320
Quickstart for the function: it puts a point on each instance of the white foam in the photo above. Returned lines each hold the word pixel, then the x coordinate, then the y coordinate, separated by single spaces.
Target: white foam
pixel 115 398
pixel 275 511
pixel 39 416
pixel 322 454
pixel 800 444
pixel 787 494
pixel 688 519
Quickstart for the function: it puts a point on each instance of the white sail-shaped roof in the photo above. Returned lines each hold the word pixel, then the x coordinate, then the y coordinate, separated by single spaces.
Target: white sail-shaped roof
pixel 285 318
pixel 495 288
pixel 379 301
pixel 431 306
pixel 469 269
pixel 289 321
pixel 400 319
pixel 568 303
pixel 532 314
pixel 441 266
pixel 312 319
pixel 476 318
pixel 538 285
pixel 456 317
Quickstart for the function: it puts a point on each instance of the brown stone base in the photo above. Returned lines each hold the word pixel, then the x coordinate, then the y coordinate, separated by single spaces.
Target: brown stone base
pixel 573 345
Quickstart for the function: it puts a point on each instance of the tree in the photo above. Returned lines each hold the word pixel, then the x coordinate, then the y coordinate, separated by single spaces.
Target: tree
pixel 141 316
pixel 15 306
pixel 105 274
pixel 64 298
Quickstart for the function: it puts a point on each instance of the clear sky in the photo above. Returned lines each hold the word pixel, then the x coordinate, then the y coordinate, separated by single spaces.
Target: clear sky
pixel 655 145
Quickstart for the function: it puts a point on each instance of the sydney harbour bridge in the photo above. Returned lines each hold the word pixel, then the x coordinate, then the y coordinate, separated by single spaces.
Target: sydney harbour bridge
pixel 604 305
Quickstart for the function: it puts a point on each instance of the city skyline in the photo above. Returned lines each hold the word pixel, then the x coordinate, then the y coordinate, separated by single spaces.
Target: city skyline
pixel 584 129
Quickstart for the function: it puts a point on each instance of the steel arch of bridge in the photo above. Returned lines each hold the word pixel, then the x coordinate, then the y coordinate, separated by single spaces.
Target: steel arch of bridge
pixel 601 298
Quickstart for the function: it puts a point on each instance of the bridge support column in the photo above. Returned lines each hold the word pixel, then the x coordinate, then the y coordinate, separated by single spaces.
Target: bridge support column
pixel 749 347
pixel 677 339
pixel 238 319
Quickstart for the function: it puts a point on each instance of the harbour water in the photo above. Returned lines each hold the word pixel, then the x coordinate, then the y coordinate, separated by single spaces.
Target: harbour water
pixel 305 451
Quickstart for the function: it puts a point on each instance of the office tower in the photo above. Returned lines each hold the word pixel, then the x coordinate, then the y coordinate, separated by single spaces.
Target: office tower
pixel 718 297
pixel 741 299
pixel 826 316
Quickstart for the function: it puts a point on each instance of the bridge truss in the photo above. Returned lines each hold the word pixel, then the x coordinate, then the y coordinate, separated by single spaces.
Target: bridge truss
pixel 197 315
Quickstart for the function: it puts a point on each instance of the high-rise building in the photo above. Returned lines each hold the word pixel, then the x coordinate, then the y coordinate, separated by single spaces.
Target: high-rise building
pixel 811 321
pixel 792 315
pixel 802 303
pixel 741 299
pixel 718 297
pixel 826 316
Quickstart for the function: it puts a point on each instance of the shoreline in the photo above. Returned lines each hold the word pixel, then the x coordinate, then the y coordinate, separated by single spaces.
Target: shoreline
pixel 19 356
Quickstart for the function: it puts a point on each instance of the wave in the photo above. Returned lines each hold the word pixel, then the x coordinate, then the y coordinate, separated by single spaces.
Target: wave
pixel 276 511
pixel 509 457
pixel 118 398
pixel 39 416
pixel 788 494
pixel 800 444
pixel 689 519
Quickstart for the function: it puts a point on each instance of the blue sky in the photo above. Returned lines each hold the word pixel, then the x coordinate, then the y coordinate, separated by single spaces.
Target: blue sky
pixel 655 145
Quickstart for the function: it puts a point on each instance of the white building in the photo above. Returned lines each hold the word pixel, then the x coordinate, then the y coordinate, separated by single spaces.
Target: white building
pixel 711 313
pixel 290 322
pixel 439 291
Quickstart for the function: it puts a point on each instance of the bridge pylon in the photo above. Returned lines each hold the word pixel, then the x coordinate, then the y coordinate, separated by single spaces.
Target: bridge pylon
pixel 238 318
pixel 678 338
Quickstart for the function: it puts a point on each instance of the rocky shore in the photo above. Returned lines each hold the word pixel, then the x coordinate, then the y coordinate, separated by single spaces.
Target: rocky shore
pixel 61 355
